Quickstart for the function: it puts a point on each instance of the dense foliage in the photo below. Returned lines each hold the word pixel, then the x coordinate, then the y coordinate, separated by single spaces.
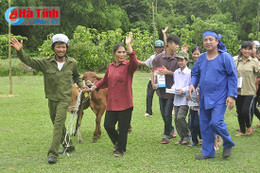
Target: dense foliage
pixel 93 49
pixel 95 25
pixel 4 44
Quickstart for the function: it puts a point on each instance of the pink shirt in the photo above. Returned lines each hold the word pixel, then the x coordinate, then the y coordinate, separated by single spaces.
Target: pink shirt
pixel 118 80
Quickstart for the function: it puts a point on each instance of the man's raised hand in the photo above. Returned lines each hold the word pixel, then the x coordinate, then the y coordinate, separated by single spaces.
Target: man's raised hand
pixel 16 44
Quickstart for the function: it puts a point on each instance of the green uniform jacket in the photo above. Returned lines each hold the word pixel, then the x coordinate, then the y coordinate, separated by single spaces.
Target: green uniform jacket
pixel 57 84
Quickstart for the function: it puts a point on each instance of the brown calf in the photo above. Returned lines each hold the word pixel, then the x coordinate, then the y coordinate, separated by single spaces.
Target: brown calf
pixel 97 100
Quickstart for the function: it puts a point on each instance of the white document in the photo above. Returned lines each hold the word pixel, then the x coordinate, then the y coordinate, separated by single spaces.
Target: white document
pixel 239 82
pixel 170 91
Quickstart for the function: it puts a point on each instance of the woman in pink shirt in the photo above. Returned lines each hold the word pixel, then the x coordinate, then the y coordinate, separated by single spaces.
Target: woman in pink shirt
pixel 118 79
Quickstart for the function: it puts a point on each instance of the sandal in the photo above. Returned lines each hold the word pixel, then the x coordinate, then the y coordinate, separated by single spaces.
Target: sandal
pixel 241 134
pixel 186 140
pixel 165 141
pixel 193 144
pixel 173 135
pixel 115 148
pixel 118 154
pixel 179 142
pixel 249 131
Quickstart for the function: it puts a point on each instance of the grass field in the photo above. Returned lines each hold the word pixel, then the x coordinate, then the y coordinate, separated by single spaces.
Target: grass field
pixel 26 131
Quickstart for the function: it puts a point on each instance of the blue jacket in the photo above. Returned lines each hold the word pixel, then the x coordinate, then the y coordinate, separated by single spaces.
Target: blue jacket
pixel 217 79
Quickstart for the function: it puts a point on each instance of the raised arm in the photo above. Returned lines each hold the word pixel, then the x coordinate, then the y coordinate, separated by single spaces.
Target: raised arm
pixel 16 44
pixel 37 64
pixel 128 42
pixel 165 37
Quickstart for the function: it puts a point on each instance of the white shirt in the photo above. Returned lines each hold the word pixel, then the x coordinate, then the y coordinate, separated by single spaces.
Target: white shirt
pixel 149 61
pixel 181 81
pixel 60 65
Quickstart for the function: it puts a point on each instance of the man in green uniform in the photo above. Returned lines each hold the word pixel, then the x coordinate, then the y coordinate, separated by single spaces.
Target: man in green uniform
pixel 59 72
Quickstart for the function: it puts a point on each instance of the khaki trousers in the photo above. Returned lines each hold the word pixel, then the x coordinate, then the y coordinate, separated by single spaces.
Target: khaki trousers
pixel 58 114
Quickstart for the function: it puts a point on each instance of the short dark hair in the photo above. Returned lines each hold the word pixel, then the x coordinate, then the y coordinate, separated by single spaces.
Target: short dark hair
pixel 117 45
pixel 196 48
pixel 247 44
pixel 174 38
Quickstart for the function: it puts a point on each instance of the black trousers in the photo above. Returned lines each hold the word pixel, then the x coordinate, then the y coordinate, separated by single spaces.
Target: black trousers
pixel 195 126
pixel 149 98
pixel 256 103
pixel 243 105
pixel 123 118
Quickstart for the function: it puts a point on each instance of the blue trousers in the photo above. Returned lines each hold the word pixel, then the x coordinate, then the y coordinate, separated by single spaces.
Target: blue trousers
pixel 211 123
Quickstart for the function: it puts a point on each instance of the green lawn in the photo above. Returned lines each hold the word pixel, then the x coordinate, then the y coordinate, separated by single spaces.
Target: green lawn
pixel 26 131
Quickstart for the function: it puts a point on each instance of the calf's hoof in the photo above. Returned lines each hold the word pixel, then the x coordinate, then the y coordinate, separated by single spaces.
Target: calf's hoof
pixel 95 140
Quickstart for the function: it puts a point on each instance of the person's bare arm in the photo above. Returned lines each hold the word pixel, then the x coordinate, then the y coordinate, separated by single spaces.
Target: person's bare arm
pixel 165 37
pixel 141 62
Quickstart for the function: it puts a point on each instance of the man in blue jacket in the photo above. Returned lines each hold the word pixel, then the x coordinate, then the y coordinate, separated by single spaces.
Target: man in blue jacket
pixel 215 71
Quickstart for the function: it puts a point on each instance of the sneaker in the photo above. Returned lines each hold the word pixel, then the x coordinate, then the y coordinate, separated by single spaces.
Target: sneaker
pixel 52 160
pixel 147 115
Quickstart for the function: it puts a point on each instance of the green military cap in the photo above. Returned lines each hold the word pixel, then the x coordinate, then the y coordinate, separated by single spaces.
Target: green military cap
pixel 182 55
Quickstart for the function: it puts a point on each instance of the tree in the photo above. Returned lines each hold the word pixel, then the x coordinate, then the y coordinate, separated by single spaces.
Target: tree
pixel 244 14
pixel 4 24
pixel 139 13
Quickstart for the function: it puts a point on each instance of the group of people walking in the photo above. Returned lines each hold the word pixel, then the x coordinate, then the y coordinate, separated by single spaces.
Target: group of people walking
pixel 217 80
pixel 210 79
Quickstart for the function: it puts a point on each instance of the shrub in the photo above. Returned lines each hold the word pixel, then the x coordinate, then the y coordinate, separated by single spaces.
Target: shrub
pixel 93 50
pixel 4 44
pixel 17 68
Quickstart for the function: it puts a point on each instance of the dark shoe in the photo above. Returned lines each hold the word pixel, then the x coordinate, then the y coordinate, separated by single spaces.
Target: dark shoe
pixel 227 152
pixel 165 141
pixel 52 160
pixel 68 150
pixel 118 154
pixel 201 157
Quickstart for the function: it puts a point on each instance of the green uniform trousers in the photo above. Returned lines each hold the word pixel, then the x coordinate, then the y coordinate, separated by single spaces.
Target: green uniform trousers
pixel 58 114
